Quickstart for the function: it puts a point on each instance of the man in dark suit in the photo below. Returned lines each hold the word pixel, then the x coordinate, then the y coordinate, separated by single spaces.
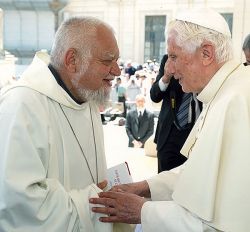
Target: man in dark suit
pixel 139 123
pixel 169 137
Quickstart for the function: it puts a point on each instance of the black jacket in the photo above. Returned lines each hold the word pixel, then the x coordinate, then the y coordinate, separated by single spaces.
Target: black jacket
pixel 165 119
pixel 132 126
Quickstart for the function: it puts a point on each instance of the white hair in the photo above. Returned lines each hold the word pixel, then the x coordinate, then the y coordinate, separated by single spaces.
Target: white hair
pixel 100 96
pixel 78 33
pixel 190 37
pixel 140 97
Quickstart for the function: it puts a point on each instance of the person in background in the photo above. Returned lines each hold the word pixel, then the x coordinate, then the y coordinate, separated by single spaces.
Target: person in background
pixel 139 123
pixel 246 49
pixel 102 113
pixel 51 137
pixel 133 89
pixel 169 137
pixel 121 94
pixel 211 191
pixel 130 69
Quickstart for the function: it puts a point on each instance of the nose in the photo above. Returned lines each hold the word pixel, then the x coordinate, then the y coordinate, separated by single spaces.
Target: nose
pixel 115 70
pixel 171 67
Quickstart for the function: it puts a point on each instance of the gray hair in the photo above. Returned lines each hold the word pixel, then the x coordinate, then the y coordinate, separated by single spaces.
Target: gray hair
pixel 78 33
pixel 246 44
pixel 190 36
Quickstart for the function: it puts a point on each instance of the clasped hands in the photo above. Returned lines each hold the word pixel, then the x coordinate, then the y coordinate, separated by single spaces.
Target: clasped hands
pixel 122 203
pixel 137 144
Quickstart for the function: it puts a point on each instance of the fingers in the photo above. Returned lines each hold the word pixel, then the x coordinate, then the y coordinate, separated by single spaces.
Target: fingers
pixel 110 194
pixel 110 219
pixel 109 211
pixel 102 201
pixel 102 184
pixel 104 210
pixel 167 73
pixel 122 188
pixel 117 188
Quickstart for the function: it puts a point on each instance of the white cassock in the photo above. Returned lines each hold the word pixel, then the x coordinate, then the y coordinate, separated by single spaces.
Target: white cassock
pixel 212 192
pixel 52 155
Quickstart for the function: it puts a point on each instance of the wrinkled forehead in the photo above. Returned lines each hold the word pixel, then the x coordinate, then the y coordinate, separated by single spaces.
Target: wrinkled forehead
pixel 106 44
pixel 172 40
pixel 171 35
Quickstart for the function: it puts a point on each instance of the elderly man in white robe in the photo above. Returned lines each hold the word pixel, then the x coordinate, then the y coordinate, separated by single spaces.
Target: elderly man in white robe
pixel 51 137
pixel 211 192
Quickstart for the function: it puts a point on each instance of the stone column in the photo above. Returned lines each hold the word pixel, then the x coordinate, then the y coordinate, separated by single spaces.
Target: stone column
pixel 241 21
pixel 56 6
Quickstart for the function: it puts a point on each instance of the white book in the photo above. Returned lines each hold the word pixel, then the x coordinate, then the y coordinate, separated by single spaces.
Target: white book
pixel 119 174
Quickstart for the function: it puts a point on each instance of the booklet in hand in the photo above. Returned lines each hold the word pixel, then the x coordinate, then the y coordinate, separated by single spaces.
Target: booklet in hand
pixel 119 174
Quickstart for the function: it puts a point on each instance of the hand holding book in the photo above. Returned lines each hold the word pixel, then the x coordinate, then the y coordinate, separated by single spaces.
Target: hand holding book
pixel 119 174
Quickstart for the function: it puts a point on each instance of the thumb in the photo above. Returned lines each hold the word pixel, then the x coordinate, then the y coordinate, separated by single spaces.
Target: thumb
pixel 102 184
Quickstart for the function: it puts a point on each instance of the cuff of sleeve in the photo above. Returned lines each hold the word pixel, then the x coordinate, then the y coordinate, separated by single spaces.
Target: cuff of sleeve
pixel 164 216
pixel 162 85
pixel 162 185
pixel 89 221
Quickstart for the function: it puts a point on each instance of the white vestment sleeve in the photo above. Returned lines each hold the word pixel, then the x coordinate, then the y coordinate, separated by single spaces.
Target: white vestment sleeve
pixel 161 186
pixel 162 216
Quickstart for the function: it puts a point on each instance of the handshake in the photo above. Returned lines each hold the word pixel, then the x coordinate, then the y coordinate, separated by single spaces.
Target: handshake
pixel 124 200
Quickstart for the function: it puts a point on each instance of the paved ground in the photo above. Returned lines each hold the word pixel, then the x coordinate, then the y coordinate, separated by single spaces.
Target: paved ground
pixel 117 151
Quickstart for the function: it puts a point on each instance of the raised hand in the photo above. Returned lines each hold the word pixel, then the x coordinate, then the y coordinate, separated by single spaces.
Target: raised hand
pixel 167 74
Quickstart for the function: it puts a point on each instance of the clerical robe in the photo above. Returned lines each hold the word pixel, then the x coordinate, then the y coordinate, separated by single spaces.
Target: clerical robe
pixel 51 156
pixel 212 191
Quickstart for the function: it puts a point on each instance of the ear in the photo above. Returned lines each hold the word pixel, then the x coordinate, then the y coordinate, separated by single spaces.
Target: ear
pixel 70 60
pixel 207 53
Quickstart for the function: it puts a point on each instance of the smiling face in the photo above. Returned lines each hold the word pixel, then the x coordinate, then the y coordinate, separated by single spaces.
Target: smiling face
pixel 185 66
pixel 95 74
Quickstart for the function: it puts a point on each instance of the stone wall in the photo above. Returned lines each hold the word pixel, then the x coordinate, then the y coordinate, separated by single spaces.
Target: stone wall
pixel 128 18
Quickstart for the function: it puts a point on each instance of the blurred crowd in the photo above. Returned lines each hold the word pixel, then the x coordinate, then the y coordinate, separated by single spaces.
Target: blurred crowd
pixel 134 79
